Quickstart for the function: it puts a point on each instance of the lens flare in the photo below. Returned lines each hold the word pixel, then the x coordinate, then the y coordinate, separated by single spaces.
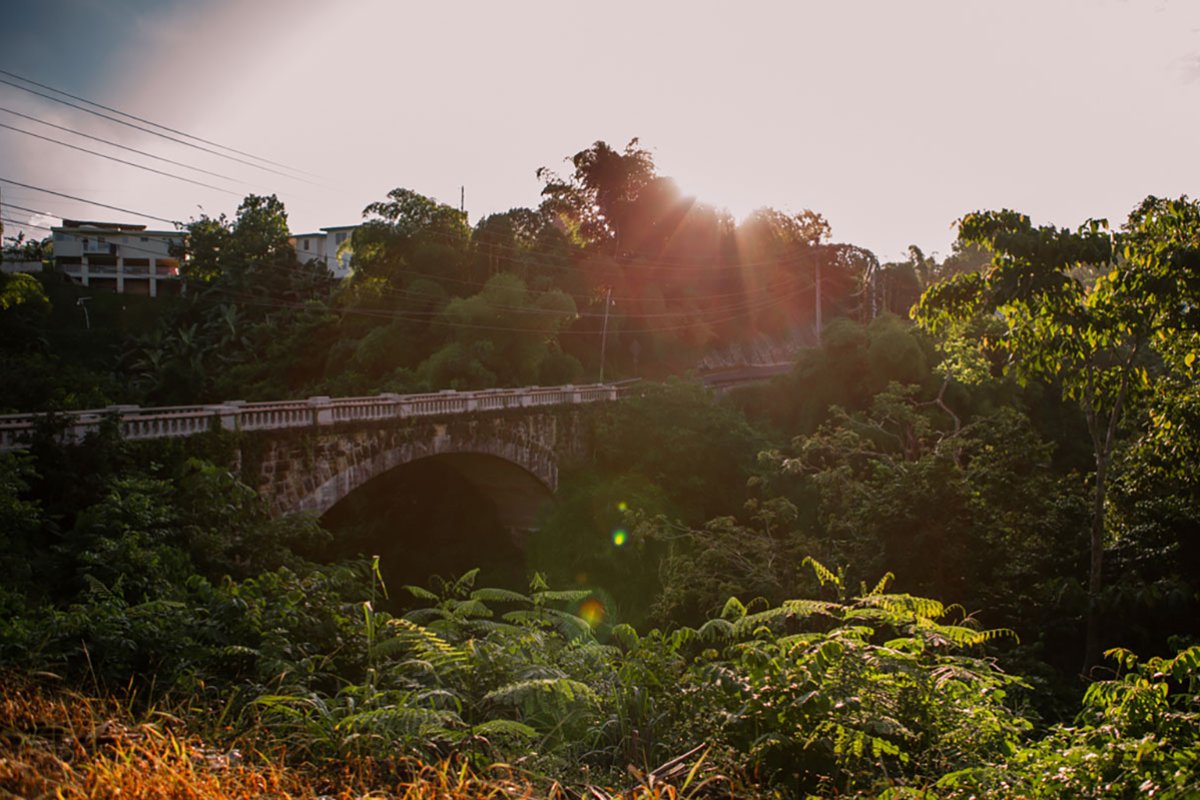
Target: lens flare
pixel 622 506
pixel 592 611
pixel 619 537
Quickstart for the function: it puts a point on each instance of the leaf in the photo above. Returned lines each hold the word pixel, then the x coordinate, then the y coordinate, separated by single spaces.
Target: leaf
pixel 493 595
pixel 733 611
pixel 717 628
pixel 505 727
pixel 561 689
pixel 565 596
pixel 420 593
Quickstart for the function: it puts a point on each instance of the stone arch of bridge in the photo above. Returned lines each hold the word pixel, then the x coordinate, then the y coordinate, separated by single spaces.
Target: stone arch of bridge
pixel 517 477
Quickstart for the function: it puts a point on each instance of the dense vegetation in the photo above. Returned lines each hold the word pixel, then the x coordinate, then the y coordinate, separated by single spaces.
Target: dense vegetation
pixel 919 564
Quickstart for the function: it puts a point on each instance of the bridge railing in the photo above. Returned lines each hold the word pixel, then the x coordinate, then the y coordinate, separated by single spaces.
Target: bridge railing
pixel 164 422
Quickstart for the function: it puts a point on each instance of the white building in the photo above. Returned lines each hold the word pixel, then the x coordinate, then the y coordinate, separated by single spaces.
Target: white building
pixel 127 259
pixel 330 246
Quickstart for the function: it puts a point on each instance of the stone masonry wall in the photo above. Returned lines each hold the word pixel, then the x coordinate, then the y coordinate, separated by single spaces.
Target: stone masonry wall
pixel 311 470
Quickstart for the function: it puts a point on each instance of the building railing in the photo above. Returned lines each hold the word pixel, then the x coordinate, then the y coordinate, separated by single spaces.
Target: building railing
pixel 135 423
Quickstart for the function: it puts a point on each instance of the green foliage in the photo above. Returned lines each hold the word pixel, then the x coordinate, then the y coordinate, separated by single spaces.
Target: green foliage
pixel 1084 309
pixel 20 289
pixel 662 426
pixel 1136 736
pixel 853 363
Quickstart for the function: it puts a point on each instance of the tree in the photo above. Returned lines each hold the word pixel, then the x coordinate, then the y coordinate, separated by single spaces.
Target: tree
pixel 20 248
pixel 410 236
pixel 1074 313
pixel 601 191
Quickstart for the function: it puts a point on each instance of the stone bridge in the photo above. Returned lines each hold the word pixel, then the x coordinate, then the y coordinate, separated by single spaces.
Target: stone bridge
pixel 306 455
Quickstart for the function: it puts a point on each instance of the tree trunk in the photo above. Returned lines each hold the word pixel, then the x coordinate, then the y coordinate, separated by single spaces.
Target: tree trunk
pixel 1091 650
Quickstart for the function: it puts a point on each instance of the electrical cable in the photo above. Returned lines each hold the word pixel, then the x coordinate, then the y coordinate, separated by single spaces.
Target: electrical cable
pixel 118 160
pixel 435 317
pixel 117 144
pixel 88 202
pixel 151 122
pixel 151 132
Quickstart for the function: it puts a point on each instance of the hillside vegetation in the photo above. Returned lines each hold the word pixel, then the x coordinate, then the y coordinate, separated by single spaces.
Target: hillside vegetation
pixel 953 553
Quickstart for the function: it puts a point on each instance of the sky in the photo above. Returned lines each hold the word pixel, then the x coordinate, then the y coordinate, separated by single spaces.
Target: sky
pixel 892 119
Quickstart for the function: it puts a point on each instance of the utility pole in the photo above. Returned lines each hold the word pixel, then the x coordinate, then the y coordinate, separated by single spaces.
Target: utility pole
pixel 87 320
pixel 462 199
pixel 604 330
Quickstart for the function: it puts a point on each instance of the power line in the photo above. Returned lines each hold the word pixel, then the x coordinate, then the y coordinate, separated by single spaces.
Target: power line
pixel 410 293
pixel 88 202
pixel 32 225
pixel 697 317
pixel 149 131
pixel 747 304
pixel 151 122
pixel 118 160
pixel 30 210
pixel 409 316
pixel 116 144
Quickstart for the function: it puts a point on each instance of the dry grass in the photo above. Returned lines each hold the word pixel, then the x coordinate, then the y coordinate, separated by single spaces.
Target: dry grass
pixel 59 743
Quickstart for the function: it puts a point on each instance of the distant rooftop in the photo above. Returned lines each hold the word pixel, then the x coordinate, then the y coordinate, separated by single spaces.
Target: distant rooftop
pixel 107 226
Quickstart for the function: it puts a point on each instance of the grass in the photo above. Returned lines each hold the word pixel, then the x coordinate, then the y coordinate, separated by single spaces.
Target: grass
pixel 57 742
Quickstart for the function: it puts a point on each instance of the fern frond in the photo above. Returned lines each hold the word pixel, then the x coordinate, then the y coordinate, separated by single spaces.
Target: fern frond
pixel 423 616
pixel 733 610
pixel 402 719
pixel 563 596
pixel 562 690
pixel 823 573
pixel 625 635
pixel 717 628
pixel 421 593
pixel 486 626
pixel 962 636
pixel 883 584
pixel 505 727
pixel 428 645
pixel 569 625
pixel 806 608
pixel 444 695
pixel 905 603
pixel 753 622
pixel 466 581
pixel 681 637
pixel 493 595
pixel 469 608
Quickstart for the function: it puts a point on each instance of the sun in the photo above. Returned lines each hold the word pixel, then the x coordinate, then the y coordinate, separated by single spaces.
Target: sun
pixel 712 190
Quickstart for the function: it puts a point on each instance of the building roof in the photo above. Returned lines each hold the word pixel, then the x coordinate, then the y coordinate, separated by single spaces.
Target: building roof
pixel 340 228
pixel 108 226
pixel 79 227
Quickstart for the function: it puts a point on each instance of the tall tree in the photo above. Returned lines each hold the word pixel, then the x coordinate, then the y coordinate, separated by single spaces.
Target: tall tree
pixel 411 236
pixel 599 196
pixel 1079 309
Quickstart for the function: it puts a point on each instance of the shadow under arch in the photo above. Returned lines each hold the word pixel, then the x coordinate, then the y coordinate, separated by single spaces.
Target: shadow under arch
pixel 516 495
pixel 519 476
pixel 441 515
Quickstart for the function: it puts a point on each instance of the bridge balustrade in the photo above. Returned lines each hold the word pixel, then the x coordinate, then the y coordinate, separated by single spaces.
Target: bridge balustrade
pixel 139 424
